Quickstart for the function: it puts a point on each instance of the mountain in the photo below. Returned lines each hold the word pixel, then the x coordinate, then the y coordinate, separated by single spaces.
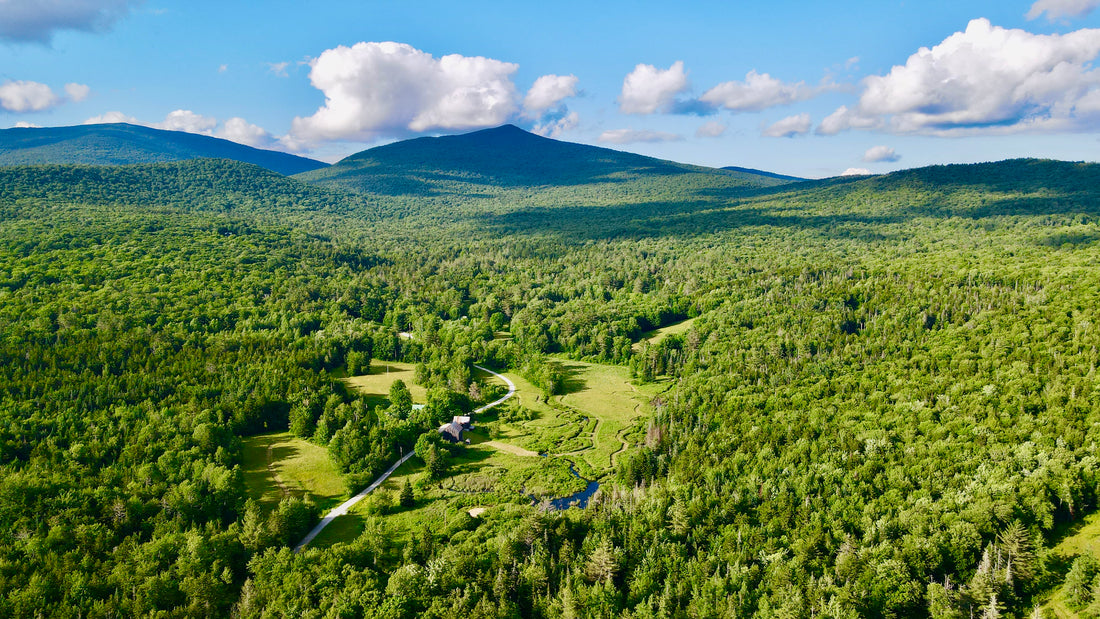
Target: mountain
pixel 782 177
pixel 121 144
pixel 505 157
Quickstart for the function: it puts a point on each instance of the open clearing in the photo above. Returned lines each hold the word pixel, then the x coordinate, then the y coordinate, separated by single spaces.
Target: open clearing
pixel 606 394
pixel 1081 539
pixel 481 475
pixel 376 385
pixel 657 335
pixel 278 465
pixel 585 429
pixel 590 424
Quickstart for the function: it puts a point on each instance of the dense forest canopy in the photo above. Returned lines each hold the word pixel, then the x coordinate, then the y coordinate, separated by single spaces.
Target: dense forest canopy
pixel 885 406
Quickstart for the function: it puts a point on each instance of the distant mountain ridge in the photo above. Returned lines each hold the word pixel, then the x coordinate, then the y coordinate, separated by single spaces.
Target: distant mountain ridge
pixel 122 144
pixel 782 177
pixel 505 156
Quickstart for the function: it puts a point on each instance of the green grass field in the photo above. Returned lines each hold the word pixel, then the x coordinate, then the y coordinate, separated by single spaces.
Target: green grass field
pixel 482 476
pixel 278 465
pixel 590 424
pixel 597 418
pixel 376 385
pixel 1080 539
pixel 655 336
pixel 608 396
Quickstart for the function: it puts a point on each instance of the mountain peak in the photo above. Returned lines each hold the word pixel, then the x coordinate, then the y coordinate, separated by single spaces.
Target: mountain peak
pixel 504 156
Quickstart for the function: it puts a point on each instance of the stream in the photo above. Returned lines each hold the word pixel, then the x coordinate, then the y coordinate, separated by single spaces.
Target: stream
pixel 579 498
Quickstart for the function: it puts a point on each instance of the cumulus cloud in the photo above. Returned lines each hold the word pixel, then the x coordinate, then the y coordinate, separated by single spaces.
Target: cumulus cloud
pixel 554 127
pixel 186 120
pixel 648 89
pixel 235 129
pixel 789 127
pixel 77 92
pixel 241 131
pixel 376 89
pixel 880 153
pixel 856 172
pixel 112 117
pixel 38 20
pixel 628 136
pixel 987 79
pixel 759 91
pixel 548 91
pixel 1056 9
pixel 710 129
pixel 844 119
pixel 25 125
pixel 26 96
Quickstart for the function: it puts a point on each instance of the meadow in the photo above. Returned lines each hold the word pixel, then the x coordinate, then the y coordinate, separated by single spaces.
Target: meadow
pixel 280 465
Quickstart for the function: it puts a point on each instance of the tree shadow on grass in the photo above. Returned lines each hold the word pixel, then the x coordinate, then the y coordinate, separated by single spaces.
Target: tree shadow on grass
pixel 573 381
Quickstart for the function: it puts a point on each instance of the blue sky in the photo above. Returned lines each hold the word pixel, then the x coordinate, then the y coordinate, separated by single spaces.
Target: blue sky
pixel 812 89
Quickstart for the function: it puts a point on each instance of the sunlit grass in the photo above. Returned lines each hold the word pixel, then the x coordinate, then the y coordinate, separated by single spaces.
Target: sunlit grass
pixel 297 468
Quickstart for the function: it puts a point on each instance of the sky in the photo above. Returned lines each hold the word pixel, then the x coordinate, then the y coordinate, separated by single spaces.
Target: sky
pixel 810 89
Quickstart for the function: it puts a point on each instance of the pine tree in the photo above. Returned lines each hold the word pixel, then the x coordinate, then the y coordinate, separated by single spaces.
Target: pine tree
pixel 602 565
pixel 407 499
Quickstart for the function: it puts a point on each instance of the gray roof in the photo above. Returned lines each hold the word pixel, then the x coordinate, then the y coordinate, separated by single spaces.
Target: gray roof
pixel 451 431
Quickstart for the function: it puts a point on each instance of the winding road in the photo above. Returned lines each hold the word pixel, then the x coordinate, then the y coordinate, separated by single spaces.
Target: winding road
pixel 343 508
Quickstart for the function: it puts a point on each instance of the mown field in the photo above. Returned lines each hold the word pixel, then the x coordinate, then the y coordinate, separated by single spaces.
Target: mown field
pixel 376 385
pixel 280 465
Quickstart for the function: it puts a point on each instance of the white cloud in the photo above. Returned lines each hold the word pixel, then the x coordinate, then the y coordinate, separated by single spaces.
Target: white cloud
pixel 26 96
pixel 627 136
pixel 789 127
pixel 555 127
pixel 985 80
pixel 235 129
pixel 376 89
pixel 648 89
pixel 880 153
pixel 711 129
pixel 856 172
pixel 759 91
pixel 1062 8
pixel 77 92
pixel 25 125
pixel 38 20
pixel 278 68
pixel 243 132
pixel 186 120
pixel 844 119
pixel 548 91
pixel 112 117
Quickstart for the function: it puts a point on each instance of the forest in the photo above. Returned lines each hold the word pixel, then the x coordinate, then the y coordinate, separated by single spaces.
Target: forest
pixel 886 404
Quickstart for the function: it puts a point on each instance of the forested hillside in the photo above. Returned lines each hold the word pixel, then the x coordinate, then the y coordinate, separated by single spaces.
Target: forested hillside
pixel 508 157
pixel 121 143
pixel 885 406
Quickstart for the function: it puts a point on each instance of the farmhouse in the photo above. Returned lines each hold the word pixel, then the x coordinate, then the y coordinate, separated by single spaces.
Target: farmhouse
pixel 453 431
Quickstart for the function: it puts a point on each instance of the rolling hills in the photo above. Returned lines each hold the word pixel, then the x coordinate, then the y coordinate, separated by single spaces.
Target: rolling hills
pixel 884 403
pixel 505 157
pixel 121 143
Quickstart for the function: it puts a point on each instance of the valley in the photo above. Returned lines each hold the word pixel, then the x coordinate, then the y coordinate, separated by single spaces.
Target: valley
pixel 870 396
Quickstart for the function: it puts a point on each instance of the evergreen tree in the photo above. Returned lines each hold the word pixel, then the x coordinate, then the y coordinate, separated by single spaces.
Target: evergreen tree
pixel 407 500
